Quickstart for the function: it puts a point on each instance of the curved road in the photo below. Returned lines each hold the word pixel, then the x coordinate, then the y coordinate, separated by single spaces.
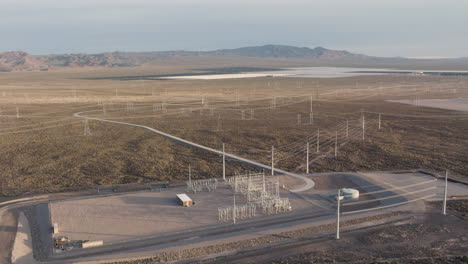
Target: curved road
pixel 308 183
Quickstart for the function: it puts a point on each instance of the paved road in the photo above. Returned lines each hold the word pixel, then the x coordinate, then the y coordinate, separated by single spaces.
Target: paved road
pixel 200 234
pixel 187 236
pixel 308 183
pixel 166 239
pixel 267 253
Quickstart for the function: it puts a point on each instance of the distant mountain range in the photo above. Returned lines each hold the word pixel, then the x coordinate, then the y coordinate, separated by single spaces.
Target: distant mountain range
pixel 281 51
pixel 22 61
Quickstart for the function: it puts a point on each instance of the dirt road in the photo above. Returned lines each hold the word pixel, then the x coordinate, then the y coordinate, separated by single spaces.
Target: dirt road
pixel 308 183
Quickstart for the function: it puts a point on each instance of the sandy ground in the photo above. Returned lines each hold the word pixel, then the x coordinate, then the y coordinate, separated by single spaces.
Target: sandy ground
pixel 458 104
pixel 7 235
pixel 22 248
pixel 290 182
pixel 242 239
pixel 132 215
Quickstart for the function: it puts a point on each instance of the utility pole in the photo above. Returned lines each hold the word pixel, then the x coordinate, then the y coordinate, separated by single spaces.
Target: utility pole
pixel 235 183
pixel 363 126
pixel 128 106
pixel 311 118
pixel 338 198
pixel 234 209
pixel 318 139
pixel 336 143
pixel 347 126
pixel 218 123
pixel 380 119
pixel 298 119
pixel 87 131
pixel 307 159
pixel 224 164
pixel 444 205
pixel 272 160
pixel 264 189
pixel 311 104
pixel 190 175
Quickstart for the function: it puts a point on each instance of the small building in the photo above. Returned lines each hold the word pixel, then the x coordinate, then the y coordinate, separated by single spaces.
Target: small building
pixel 184 200
pixel 55 229
pixel 350 194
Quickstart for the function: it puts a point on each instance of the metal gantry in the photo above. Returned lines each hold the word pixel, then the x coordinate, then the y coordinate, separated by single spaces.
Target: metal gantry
pixel 202 185
pixel 259 191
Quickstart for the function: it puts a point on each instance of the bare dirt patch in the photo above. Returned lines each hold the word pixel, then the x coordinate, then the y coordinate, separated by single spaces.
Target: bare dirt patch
pixel 8 228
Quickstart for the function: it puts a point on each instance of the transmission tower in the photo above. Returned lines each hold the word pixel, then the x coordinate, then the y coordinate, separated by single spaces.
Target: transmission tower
pixel 87 131
pixel 224 164
pixel 272 160
pixel 347 127
pixel 311 104
pixel 380 120
pixel 318 140
pixel 307 157
pixel 363 126
pixel 218 123
pixel 336 143
pixel 129 106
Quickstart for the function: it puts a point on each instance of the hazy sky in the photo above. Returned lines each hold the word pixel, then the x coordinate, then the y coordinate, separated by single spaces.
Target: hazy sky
pixel 412 28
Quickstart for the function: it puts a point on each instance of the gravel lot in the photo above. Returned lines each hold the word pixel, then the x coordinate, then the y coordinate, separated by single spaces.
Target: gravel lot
pixel 137 214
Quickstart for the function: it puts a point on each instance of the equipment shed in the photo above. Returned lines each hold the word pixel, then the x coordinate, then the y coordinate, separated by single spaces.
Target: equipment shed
pixel 185 200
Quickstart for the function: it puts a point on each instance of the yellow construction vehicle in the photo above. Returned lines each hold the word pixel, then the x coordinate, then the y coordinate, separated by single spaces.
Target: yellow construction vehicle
pixel 62 242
